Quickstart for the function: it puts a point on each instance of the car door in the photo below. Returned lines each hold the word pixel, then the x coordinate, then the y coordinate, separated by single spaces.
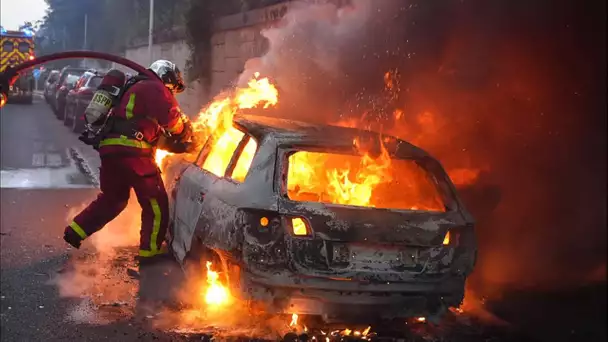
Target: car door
pixel 70 98
pixel 193 186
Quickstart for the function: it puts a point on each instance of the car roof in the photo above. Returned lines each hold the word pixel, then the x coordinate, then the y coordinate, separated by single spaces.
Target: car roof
pixel 69 69
pixel 299 133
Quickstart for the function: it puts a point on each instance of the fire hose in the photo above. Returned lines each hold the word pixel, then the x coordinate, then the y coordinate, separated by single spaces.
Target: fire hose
pixel 10 75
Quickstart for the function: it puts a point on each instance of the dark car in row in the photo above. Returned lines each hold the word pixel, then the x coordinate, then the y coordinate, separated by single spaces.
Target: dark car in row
pixel 78 98
pixel 68 93
pixel 58 88
pixel 51 80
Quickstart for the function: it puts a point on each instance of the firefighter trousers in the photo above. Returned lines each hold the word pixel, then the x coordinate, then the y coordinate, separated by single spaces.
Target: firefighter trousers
pixel 118 174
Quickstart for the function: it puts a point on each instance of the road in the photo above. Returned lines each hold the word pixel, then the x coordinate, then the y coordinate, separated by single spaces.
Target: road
pixel 54 293
pixel 43 181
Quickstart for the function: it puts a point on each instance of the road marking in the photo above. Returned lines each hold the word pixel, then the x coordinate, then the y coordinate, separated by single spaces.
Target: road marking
pixel 54 160
pixel 51 148
pixel 38 160
pixel 41 179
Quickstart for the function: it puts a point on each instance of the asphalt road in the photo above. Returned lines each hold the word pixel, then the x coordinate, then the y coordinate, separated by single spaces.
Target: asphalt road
pixel 53 293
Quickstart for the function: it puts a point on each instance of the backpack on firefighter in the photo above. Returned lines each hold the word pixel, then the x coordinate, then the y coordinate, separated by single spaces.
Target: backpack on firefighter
pixel 100 120
pixel 98 114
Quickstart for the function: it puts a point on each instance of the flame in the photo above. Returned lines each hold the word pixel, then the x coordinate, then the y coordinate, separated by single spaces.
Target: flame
pixel 2 100
pixel 361 181
pixel 366 331
pixel 216 294
pixel 215 121
pixel 160 156
pixel 294 320
pixel 464 176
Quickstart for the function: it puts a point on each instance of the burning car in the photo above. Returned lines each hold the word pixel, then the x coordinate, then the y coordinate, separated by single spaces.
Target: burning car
pixel 324 220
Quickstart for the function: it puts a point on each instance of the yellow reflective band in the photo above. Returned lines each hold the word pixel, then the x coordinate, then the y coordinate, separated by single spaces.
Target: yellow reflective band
pixel 124 141
pixel 146 254
pixel 156 226
pixel 78 229
pixel 130 106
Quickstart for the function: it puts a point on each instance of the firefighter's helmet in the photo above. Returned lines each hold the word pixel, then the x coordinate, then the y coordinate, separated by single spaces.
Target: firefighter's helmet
pixel 170 74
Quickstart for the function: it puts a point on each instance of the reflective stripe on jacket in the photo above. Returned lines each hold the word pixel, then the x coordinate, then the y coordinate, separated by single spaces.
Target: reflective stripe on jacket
pixel 151 106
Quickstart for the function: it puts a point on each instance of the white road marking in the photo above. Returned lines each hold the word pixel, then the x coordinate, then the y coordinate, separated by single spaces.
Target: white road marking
pixel 38 179
pixel 53 160
pixel 38 160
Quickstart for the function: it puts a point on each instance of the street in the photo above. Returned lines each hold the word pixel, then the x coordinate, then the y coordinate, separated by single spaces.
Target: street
pixel 52 292
pixel 43 183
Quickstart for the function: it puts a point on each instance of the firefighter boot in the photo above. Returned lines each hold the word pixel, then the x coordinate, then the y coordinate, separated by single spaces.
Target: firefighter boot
pixel 72 238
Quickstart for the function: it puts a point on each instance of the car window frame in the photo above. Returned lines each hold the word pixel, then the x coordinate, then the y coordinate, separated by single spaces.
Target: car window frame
pixel 87 84
pixel 204 153
pixel 82 80
pixel 237 155
pixel 426 163
pixel 65 80
pixel 53 76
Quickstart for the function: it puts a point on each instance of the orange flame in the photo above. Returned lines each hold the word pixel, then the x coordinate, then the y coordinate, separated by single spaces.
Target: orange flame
pixel 294 320
pixel 216 294
pixel 215 120
pixel 361 181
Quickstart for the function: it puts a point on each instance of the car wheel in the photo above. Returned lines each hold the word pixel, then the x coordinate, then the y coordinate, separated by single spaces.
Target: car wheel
pixel 67 112
pixel 196 258
pixel 77 124
pixel 60 111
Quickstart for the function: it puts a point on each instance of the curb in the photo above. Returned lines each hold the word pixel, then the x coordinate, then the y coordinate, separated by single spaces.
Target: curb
pixel 84 165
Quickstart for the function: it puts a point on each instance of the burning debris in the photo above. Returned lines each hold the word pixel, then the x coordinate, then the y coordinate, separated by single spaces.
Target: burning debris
pixel 216 294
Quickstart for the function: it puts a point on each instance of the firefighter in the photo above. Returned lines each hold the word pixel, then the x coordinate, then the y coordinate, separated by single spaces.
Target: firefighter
pixel 145 111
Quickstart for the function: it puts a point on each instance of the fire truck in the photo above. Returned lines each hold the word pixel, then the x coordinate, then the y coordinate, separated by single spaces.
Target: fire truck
pixel 17 47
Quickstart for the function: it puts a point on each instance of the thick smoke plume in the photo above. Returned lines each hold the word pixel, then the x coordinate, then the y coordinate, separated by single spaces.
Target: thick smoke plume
pixel 510 94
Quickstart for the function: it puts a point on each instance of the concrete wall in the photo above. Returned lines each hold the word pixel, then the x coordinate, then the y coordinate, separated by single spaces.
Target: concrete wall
pixel 178 52
pixel 237 38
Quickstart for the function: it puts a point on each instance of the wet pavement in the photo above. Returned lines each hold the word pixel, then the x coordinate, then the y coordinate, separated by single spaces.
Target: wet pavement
pixel 54 293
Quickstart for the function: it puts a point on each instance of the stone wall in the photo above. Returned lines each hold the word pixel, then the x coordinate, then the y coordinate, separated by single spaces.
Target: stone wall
pixel 178 52
pixel 236 39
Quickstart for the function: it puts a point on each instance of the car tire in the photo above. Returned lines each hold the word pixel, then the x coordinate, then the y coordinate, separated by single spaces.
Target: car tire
pixel 66 115
pixel 77 124
pixel 196 258
pixel 60 112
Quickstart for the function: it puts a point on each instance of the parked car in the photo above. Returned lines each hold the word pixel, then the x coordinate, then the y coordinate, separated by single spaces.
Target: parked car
pixel 62 76
pixel 258 203
pixel 78 99
pixel 50 81
pixel 68 84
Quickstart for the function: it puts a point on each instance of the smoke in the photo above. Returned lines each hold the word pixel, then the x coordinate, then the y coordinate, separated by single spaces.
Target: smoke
pixel 510 96
pixel 90 275
pixel 320 50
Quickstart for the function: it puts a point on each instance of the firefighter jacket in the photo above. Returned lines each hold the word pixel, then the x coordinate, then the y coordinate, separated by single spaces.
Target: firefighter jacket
pixel 147 107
